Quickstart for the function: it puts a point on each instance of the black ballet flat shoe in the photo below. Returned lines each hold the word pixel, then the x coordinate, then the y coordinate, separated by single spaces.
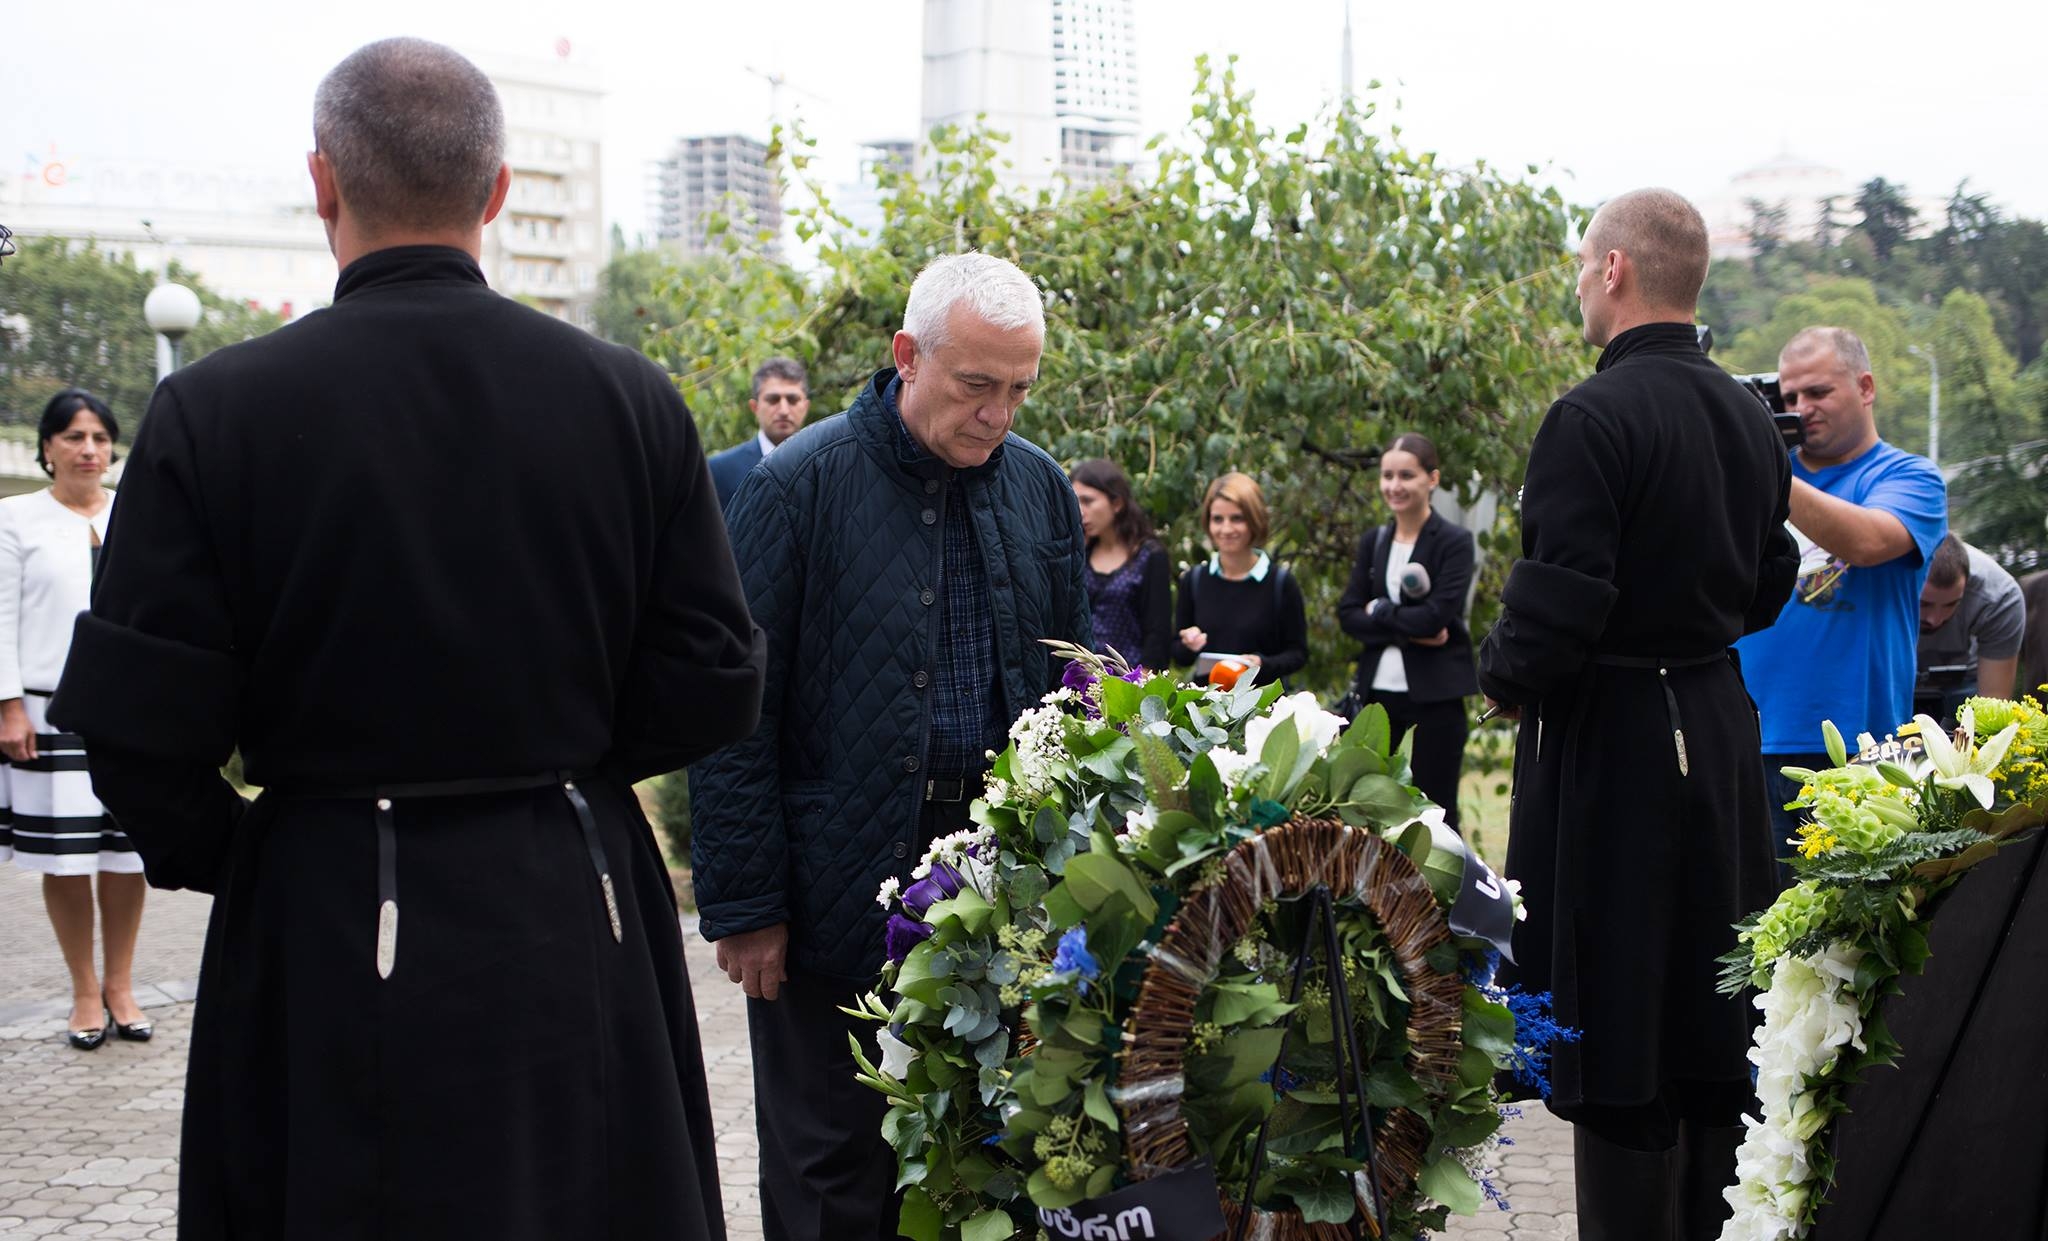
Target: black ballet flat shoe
pixel 89 1040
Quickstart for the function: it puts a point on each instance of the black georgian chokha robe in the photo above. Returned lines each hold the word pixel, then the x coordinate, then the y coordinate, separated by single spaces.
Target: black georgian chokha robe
pixel 426 536
pixel 1653 536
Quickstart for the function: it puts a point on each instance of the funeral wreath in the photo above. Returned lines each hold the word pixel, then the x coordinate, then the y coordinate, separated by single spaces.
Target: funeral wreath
pixel 1190 928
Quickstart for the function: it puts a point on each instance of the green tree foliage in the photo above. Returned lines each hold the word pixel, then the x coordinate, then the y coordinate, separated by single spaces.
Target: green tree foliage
pixel 1994 434
pixel 1277 304
pixel 631 295
pixel 71 316
pixel 1887 216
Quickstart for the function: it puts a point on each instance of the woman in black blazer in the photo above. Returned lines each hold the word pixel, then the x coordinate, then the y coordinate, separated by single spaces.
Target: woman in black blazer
pixel 1417 655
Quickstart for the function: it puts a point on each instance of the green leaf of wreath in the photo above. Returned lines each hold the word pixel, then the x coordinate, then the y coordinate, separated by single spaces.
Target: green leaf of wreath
pixel 1371 730
pixel 993 1225
pixel 1382 799
pixel 1445 1180
pixel 919 1219
pixel 1324 1203
pixel 1489 1027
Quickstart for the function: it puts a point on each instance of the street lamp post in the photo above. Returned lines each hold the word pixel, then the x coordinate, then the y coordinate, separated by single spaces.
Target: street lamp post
pixel 171 310
pixel 1933 400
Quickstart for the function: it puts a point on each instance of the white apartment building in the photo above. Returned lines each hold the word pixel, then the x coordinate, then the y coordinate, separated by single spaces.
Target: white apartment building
pixel 548 245
pixel 1060 77
pixel 249 234
pixel 252 235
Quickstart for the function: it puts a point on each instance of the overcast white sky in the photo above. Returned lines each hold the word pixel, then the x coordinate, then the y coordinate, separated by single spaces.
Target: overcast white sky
pixel 1606 94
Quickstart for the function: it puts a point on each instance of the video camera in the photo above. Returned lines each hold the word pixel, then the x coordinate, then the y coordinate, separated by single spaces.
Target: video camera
pixel 1764 387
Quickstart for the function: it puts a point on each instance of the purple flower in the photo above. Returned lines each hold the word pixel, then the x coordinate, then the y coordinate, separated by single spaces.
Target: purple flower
pixel 943 882
pixel 1077 677
pixel 901 935
pixel 1137 675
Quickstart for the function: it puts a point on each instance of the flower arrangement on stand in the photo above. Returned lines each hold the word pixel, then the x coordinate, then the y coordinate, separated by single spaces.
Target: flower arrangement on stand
pixel 1890 832
pixel 1108 982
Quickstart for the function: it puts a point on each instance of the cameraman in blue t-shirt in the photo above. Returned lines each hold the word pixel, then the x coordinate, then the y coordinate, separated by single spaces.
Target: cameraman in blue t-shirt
pixel 1867 517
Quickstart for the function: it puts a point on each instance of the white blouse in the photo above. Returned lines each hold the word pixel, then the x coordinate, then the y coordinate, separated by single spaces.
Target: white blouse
pixel 45 582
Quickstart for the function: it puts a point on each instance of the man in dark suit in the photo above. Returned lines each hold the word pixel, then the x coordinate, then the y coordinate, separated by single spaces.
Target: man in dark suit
pixel 450 574
pixel 782 397
pixel 1653 536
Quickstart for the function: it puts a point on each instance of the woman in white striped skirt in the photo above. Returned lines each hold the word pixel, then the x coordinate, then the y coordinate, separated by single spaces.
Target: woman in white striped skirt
pixel 49 819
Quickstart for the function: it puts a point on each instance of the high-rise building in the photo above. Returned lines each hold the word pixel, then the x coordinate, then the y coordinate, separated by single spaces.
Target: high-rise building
pixel 728 175
pixel 1095 86
pixel 860 200
pixel 1058 77
pixel 548 244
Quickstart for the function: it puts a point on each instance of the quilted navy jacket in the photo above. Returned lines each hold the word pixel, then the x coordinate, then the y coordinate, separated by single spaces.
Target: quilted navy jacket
pixel 839 542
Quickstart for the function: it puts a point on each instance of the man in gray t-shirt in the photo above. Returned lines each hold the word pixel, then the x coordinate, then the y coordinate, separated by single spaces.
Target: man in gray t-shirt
pixel 1972 616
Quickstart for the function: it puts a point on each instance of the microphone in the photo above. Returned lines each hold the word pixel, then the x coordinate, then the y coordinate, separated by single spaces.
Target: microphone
pixel 1414 582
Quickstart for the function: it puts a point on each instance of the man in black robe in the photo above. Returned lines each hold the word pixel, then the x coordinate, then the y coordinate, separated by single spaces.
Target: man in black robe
pixel 1652 537
pixel 451 575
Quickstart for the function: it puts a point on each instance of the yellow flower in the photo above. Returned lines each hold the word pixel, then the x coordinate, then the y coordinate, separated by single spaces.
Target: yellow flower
pixel 1815 840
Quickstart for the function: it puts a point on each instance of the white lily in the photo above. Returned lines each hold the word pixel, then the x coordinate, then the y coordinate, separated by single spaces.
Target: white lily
pixel 1970 767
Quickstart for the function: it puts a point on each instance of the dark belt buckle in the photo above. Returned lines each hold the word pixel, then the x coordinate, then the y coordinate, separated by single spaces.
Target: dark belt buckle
pixel 945 790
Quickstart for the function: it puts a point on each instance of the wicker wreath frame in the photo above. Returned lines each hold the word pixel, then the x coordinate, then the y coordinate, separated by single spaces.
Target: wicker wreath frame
pixel 1290 860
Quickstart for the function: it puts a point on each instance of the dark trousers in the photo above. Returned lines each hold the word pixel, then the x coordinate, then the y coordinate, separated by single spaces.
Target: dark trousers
pixel 1438 759
pixel 826 1173
pixel 1662 1195
pixel 1779 789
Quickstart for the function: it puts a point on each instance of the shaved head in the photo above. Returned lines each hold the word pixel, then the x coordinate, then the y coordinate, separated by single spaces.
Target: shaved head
pixel 415 135
pixel 1665 240
pixel 1844 344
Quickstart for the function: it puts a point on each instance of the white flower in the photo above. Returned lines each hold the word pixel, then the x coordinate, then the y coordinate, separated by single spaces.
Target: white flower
pixel 1970 767
pixel 1040 737
pixel 1811 1014
pixel 1515 894
pixel 957 851
pixel 1314 727
pixel 885 895
pixel 1231 766
pixel 897 1055
pixel 1138 822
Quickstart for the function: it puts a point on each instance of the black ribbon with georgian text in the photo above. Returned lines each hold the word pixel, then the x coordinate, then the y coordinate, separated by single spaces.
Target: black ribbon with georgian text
pixel 1179 1206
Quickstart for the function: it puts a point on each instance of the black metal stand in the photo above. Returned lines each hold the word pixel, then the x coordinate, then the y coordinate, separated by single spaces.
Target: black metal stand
pixel 1323 913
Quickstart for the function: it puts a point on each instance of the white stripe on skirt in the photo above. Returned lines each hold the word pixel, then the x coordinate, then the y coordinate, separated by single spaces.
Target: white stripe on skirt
pixel 49 820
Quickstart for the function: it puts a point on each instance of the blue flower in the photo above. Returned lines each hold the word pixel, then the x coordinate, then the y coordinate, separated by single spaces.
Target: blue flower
pixel 1535 1033
pixel 1073 958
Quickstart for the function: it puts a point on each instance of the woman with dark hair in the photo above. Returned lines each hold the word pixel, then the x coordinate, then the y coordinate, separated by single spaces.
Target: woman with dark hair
pixel 1127 568
pixel 1241 602
pixel 1406 603
pixel 49 546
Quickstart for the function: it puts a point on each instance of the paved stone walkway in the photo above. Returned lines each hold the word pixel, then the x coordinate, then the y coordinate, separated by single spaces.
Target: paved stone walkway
pixel 89 1141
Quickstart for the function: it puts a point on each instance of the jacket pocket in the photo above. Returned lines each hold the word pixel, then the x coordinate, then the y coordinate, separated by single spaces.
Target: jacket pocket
pixel 804 803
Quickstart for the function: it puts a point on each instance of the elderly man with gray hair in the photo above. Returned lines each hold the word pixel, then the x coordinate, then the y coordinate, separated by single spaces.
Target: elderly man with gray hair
pixel 905 558
pixel 450 574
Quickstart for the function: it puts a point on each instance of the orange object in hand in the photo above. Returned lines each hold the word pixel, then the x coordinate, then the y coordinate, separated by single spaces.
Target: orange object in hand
pixel 1226 672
